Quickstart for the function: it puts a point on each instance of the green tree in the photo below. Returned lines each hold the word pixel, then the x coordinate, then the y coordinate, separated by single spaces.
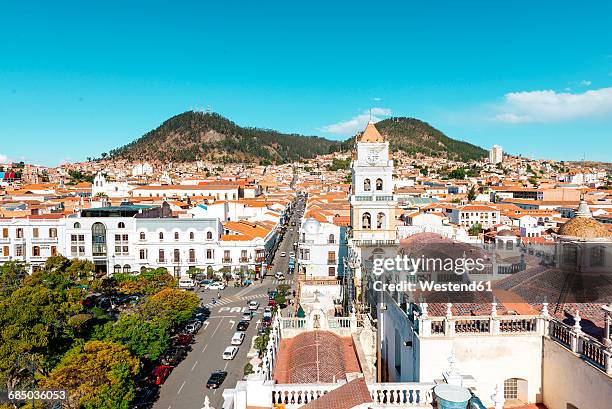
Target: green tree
pixel 177 306
pixel 144 338
pixel 97 374
pixel 472 194
pixel 458 173
pixel 475 230
pixel 12 275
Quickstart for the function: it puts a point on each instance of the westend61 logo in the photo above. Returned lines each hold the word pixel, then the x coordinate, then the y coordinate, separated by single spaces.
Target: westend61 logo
pixel 422 265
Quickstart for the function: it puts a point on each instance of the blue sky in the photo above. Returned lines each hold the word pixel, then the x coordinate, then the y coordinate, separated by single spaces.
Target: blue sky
pixel 80 78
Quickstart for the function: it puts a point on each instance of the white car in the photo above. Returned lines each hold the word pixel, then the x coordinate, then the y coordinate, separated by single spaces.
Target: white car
pixel 283 254
pixel 216 285
pixel 292 254
pixel 279 275
pixel 186 283
pixel 230 353
pixel 238 338
pixel 246 316
pixel 253 305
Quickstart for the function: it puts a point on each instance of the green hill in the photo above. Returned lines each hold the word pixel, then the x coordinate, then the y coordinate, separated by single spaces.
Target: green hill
pixel 192 136
pixel 414 136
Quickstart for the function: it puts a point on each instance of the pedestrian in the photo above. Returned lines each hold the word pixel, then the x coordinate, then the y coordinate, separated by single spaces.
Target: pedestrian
pixel 218 294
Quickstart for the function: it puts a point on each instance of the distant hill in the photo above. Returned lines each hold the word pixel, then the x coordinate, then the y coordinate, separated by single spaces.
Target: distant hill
pixel 414 136
pixel 192 136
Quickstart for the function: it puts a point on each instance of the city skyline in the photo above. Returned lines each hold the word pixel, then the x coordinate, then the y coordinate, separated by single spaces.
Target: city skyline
pixel 72 88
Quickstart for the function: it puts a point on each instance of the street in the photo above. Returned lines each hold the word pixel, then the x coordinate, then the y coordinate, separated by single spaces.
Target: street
pixel 185 388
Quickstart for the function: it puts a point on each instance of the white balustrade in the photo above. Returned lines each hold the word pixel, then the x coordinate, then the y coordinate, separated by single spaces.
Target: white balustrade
pixel 402 394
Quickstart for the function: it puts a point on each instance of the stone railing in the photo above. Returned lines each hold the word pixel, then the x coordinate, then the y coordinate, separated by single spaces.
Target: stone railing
pixel 296 395
pixel 583 345
pixel 402 394
pixel 492 325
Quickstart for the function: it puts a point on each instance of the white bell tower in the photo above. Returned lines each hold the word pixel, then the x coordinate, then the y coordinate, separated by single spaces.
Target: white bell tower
pixel 372 200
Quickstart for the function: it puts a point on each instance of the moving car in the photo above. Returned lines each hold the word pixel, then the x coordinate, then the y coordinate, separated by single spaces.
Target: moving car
pixel 246 316
pixel 186 283
pixel 216 379
pixel 230 353
pixel 253 305
pixel 267 314
pixel 237 338
pixel 283 254
pixel 242 326
pixel 279 275
pixel 160 374
pixel 272 303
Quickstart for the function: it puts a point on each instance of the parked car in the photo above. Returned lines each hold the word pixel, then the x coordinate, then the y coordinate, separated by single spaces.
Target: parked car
pixel 253 305
pixel 175 355
pixel 183 339
pixel 267 314
pixel 205 282
pixel 283 254
pixel 279 275
pixel 145 396
pixel 271 303
pixel 216 379
pixel 272 294
pixel 193 327
pixel 237 338
pixel 186 283
pixel 230 353
pixel 246 316
pixel 160 374
pixel 242 325
pixel 216 285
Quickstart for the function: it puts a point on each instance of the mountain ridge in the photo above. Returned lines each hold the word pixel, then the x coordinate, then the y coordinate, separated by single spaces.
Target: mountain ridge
pixel 194 135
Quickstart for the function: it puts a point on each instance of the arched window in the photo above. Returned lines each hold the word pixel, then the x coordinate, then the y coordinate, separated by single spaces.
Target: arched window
pixel 191 235
pixel 36 251
pixel 177 255
pixel 77 225
pixel 121 225
pixel 127 268
pixel 366 221
pixel 380 221
pixel 161 235
pixel 366 184
pixel 176 235
pixel 331 239
pixel 191 255
pixel 117 268
pixel 98 239
pixel 379 184
pixel 209 235
pixel 142 235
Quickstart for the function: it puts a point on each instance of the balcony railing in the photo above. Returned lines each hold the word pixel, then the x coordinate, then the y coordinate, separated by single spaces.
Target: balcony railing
pixel 44 239
pixel 244 259
pixel 161 260
pixel 402 394
pixel 227 259
pixel 331 261
pixel 5 240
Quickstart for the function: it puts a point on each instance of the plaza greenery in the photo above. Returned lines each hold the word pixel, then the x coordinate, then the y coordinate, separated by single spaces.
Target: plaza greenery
pixel 52 335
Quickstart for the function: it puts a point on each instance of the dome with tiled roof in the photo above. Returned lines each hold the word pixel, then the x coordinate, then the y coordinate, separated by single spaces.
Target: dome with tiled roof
pixel 583 225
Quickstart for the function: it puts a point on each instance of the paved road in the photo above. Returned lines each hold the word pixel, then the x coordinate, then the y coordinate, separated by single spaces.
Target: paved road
pixel 185 387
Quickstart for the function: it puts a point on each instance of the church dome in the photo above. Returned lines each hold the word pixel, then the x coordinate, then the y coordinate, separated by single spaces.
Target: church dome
pixel 583 225
pixel 585 228
pixel 311 226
